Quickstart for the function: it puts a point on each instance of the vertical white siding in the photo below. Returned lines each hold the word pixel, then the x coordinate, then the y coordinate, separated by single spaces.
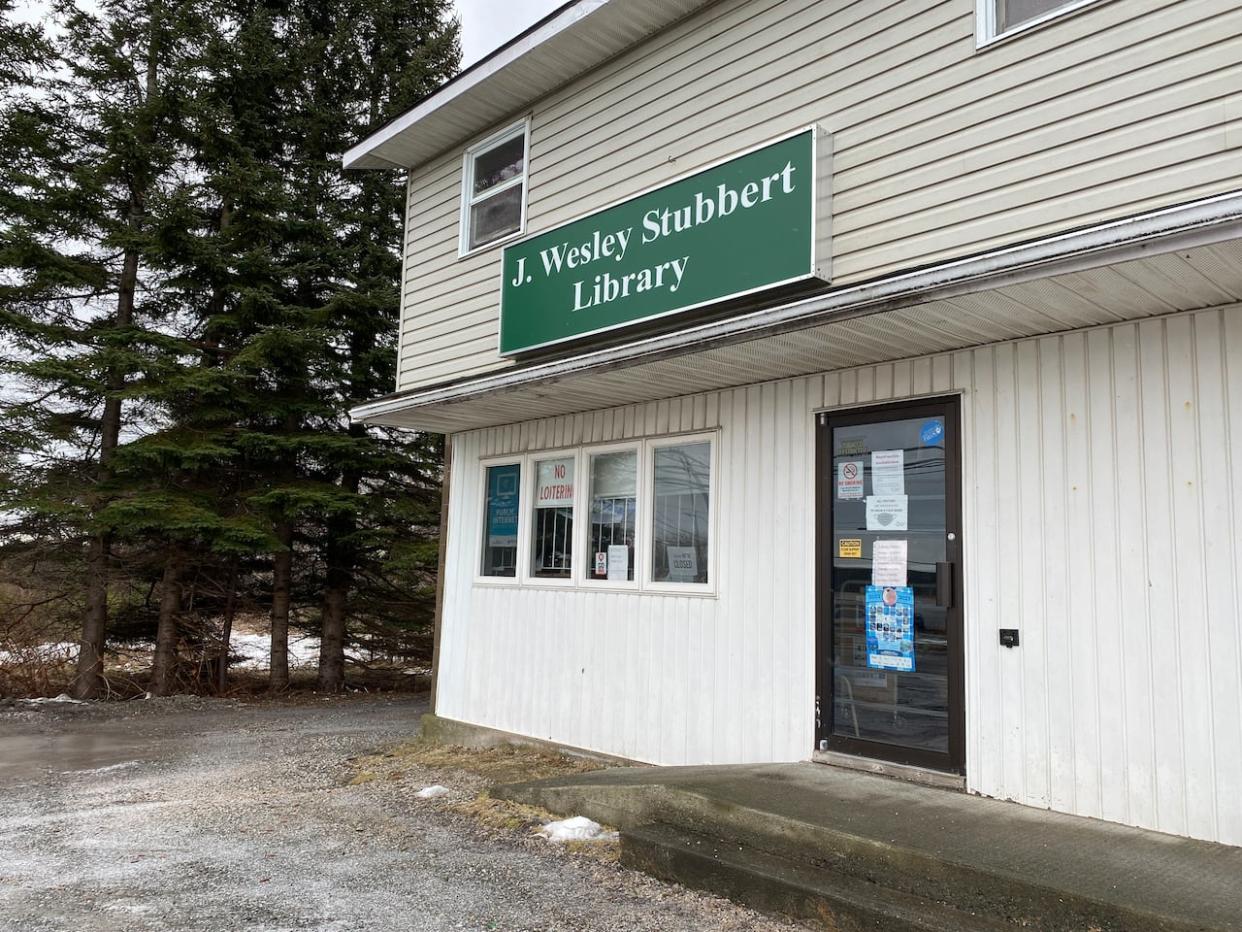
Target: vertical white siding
pixel 1102 475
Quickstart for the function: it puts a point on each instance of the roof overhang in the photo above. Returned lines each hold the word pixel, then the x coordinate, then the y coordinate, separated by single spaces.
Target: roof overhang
pixel 1181 258
pixel 572 40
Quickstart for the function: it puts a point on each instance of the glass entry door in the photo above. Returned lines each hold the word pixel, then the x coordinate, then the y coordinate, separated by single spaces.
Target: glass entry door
pixel 889 640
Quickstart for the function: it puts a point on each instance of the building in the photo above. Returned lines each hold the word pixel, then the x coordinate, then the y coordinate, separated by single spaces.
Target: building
pixel 857 381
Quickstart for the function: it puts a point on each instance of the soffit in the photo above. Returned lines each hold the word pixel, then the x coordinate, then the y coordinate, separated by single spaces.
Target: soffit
pixel 571 41
pixel 1183 280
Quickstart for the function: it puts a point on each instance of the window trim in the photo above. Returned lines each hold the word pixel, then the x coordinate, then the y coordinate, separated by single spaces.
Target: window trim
pixel 484 466
pixel 987 24
pixel 587 580
pixel 647 524
pixel 531 483
pixel 579 579
pixel 468 200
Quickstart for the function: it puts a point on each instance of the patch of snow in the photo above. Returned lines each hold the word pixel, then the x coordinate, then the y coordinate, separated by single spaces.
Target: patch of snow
pixel 63 698
pixel 578 828
pixel 51 650
pixel 128 763
pixel 432 792
pixel 255 651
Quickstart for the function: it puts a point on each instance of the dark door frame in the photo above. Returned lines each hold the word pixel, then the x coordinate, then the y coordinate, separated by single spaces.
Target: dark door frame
pixel 948 406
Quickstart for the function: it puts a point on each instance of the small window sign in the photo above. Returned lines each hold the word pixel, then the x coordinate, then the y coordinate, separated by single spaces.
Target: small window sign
pixel 618 562
pixel 556 484
pixel 683 564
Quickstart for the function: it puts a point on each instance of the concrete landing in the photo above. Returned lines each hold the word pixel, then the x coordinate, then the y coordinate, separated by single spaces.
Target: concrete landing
pixel 841 847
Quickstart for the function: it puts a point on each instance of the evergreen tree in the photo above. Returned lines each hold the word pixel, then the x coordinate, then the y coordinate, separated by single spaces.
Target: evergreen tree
pixel 222 257
pixel 86 158
pixel 192 295
pixel 363 62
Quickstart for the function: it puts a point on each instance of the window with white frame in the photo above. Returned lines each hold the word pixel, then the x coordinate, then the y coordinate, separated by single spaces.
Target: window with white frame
pixel 552 524
pixel 501 509
pixel 1001 17
pixel 681 512
pixel 494 188
pixel 642 519
pixel 612 515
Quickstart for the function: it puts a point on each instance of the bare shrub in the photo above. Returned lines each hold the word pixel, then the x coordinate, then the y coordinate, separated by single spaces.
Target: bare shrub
pixel 32 670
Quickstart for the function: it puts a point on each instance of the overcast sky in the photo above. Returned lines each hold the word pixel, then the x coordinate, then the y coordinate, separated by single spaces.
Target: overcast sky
pixel 487 24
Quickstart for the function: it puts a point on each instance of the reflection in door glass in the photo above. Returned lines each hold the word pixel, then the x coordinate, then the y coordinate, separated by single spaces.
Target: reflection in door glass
pixel 890 639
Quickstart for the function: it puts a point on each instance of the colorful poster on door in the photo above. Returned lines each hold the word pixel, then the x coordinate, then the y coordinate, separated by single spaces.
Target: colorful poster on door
pixel 890 628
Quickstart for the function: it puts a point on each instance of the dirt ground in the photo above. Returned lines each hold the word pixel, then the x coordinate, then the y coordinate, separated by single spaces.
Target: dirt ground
pixel 222 816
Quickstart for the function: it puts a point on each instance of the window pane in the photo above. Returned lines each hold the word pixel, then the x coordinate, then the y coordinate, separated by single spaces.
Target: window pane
pixel 500 520
pixel 681 505
pixel 552 540
pixel 497 216
pixel 503 162
pixel 1012 13
pixel 613 516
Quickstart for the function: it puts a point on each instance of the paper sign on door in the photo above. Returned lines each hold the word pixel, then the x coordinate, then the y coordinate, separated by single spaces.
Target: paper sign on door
pixel 886 512
pixel 888 563
pixel 888 472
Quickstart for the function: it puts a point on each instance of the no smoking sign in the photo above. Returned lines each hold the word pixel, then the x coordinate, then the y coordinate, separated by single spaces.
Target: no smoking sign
pixel 850 480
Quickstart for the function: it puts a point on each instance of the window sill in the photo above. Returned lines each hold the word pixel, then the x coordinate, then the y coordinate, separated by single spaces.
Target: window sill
pixel 631 589
pixel 985 42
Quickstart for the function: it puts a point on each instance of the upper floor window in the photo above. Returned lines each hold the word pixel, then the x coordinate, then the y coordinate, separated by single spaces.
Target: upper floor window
pixel 493 204
pixel 999 18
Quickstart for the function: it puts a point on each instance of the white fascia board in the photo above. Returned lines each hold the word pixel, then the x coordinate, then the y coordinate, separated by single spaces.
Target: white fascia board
pixel 1210 220
pixel 361 155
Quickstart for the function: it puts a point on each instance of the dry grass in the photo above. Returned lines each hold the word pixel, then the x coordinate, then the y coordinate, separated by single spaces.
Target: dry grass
pixel 495 765
pixel 476 768
pixel 500 815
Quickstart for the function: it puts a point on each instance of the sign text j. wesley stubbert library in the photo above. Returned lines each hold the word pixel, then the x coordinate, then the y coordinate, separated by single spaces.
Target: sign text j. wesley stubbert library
pixel 732 229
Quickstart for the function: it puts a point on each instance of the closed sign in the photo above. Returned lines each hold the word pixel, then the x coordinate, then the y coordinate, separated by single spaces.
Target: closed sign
pixel 683 564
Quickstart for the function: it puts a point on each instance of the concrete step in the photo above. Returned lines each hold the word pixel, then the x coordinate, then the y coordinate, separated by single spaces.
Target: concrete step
pixel 853 865
pixel 778 886
pixel 981 858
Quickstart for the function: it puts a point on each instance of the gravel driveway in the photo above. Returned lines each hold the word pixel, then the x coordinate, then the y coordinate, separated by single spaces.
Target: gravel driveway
pixel 215 815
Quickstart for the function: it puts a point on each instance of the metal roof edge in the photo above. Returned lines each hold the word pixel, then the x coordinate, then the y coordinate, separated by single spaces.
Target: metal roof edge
pixel 560 19
pixel 1196 223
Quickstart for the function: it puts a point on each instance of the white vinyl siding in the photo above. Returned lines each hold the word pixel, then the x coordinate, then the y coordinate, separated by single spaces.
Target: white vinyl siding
pixel 1103 519
pixel 939 151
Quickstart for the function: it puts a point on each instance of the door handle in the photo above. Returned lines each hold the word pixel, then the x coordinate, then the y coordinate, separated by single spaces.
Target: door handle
pixel 944 585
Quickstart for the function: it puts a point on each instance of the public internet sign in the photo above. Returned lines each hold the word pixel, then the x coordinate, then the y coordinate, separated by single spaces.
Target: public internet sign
pixel 754 222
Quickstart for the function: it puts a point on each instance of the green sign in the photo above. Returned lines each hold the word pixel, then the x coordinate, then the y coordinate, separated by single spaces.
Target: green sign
pixel 732 229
